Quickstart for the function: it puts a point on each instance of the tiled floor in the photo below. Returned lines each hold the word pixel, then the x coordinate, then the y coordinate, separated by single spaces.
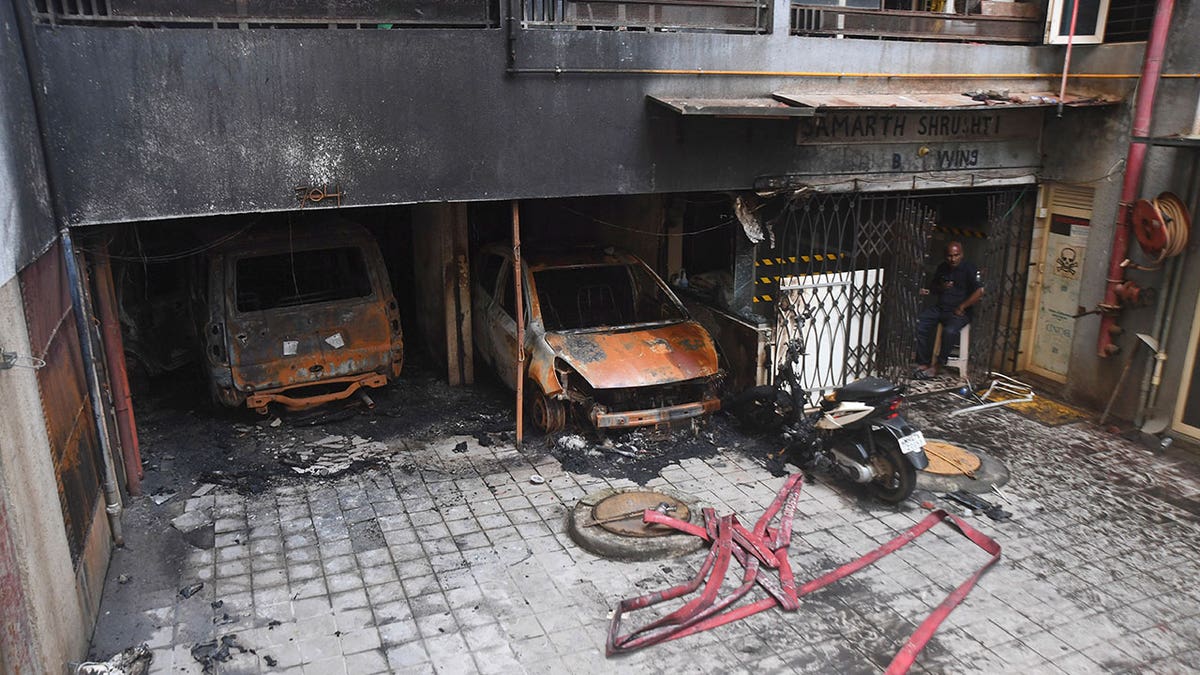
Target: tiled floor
pixel 455 562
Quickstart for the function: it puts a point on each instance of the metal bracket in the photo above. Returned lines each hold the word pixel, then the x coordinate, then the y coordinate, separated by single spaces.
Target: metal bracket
pixel 1019 391
pixel 9 360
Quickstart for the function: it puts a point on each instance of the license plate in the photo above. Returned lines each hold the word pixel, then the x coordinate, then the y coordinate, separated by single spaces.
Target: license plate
pixel 914 442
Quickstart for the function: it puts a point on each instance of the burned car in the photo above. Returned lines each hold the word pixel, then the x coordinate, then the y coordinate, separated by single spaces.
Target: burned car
pixel 605 338
pixel 298 317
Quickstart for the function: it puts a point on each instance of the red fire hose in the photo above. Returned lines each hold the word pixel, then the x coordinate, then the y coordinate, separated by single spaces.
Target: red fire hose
pixel 767 547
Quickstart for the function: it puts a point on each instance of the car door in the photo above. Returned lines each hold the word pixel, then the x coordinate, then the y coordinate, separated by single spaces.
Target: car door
pixel 502 328
pixel 483 296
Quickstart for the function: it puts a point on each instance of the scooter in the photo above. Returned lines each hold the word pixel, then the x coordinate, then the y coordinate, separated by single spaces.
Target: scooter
pixel 856 431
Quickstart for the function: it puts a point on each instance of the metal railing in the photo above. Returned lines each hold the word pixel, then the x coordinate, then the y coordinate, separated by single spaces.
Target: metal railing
pixel 868 19
pixel 721 16
pixel 374 14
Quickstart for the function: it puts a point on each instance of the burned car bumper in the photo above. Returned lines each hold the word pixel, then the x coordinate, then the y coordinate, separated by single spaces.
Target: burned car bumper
pixel 305 396
pixel 602 419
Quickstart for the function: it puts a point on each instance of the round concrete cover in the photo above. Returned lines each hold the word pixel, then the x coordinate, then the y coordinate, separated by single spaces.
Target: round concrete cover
pixel 949 459
pixel 990 471
pixel 602 523
pixel 622 513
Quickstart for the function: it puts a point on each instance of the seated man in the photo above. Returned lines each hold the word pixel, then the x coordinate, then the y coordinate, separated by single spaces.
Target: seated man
pixel 957 287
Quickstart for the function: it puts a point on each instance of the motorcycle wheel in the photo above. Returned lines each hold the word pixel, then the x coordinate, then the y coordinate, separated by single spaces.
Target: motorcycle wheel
pixel 895 476
pixel 755 409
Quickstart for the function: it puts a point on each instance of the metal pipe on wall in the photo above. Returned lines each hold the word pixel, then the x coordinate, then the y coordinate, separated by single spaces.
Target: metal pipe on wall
pixel 1170 274
pixel 520 309
pixel 1150 402
pixel 114 355
pixel 112 491
pixel 1062 92
pixel 1135 160
pixel 1165 311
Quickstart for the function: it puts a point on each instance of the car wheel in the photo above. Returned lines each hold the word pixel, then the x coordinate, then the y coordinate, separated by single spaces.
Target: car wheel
pixel 546 414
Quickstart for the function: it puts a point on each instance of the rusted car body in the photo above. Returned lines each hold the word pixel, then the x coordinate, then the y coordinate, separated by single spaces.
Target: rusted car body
pixel 605 338
pixel 298 317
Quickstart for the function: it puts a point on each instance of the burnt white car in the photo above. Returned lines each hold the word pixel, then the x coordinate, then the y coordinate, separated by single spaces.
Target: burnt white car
pixel 605 338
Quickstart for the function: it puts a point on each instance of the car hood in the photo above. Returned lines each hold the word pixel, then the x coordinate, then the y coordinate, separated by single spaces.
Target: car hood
pixel 638 357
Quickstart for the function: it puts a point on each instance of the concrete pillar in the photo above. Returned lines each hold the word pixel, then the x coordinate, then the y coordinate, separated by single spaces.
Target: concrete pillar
pixel 443 281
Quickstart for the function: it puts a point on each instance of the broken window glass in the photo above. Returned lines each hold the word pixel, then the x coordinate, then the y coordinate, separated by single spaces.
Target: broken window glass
pixel 573 298
pixel 296 278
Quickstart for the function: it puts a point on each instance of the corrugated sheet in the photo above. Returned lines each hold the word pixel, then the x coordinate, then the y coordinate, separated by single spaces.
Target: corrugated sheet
pixel 732 107
pixel 1012 99
pixel 66 406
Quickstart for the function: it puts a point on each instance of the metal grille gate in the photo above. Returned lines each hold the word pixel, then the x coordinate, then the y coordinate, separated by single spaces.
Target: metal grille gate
pixel 996 330
pixel 856 263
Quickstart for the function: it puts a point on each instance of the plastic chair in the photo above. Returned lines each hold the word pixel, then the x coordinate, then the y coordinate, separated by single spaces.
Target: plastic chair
pixel 960 356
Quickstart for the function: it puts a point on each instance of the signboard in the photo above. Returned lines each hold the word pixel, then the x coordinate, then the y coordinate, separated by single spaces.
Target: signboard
pixel 883 141
pixel 932 126
pixel 1066 245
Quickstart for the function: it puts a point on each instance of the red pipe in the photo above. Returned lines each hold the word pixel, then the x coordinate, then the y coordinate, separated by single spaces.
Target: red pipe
pixel 517 278
pixel 1134 161
pixel 1062 91
pixel 114 356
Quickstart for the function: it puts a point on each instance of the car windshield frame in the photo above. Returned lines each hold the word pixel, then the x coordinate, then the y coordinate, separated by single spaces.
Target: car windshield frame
pixel 362 267
pixel 638 273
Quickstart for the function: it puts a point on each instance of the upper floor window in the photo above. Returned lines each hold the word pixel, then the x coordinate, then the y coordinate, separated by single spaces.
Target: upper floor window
pixel 374 14
pixel 1088 20
pixel 993 21
pixel 724 16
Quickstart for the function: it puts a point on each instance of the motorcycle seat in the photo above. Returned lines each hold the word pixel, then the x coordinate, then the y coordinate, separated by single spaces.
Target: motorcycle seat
pixel 868 388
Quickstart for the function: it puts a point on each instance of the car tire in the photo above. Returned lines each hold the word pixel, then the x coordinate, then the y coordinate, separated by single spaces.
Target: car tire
pixel 546 414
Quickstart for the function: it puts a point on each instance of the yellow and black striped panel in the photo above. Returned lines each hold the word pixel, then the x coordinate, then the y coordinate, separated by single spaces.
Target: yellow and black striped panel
pixel 960 232
pixel 766 280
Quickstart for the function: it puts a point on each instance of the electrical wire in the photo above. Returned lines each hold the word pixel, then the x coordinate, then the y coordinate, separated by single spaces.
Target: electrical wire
pixel 178 255
pixel 648 233
pixel 1116 168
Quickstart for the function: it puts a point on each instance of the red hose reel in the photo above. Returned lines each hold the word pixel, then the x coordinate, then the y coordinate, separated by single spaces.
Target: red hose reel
pixel 1161 225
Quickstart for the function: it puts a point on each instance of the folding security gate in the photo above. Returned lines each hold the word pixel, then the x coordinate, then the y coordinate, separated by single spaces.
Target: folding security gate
pixel 849 268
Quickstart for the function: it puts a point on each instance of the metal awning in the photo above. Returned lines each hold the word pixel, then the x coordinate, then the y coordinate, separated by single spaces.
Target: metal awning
pixel 782 105
pixel 763 107
pixel 996 100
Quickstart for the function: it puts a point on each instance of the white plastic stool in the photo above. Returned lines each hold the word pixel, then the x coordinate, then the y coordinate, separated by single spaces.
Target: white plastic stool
pixel 958 358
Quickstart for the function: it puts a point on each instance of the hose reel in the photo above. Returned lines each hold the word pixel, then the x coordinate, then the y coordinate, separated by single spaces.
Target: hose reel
pixel 1161 225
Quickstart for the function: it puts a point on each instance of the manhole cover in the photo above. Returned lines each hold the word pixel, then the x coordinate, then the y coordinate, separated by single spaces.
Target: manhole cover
pixel 948 459
pixel 609 523
pixel 622 513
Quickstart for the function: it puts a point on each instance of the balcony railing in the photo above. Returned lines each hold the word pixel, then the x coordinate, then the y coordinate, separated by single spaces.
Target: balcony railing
pixel 919 20
pixel 270 13
pixel 720 16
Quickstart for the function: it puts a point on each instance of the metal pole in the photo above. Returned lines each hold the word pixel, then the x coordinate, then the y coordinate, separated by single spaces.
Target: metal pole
pixel 114 354
pixel 520 309
pixel 1134 163
pixel 112 493
pixel 1062 92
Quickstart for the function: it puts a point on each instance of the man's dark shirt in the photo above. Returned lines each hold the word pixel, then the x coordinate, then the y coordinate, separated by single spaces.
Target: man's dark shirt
pixel 953 285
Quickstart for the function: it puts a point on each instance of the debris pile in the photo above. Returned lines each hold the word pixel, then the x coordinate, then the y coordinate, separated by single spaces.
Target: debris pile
pixel 334 454
pixel 132 661
pixel 209 654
